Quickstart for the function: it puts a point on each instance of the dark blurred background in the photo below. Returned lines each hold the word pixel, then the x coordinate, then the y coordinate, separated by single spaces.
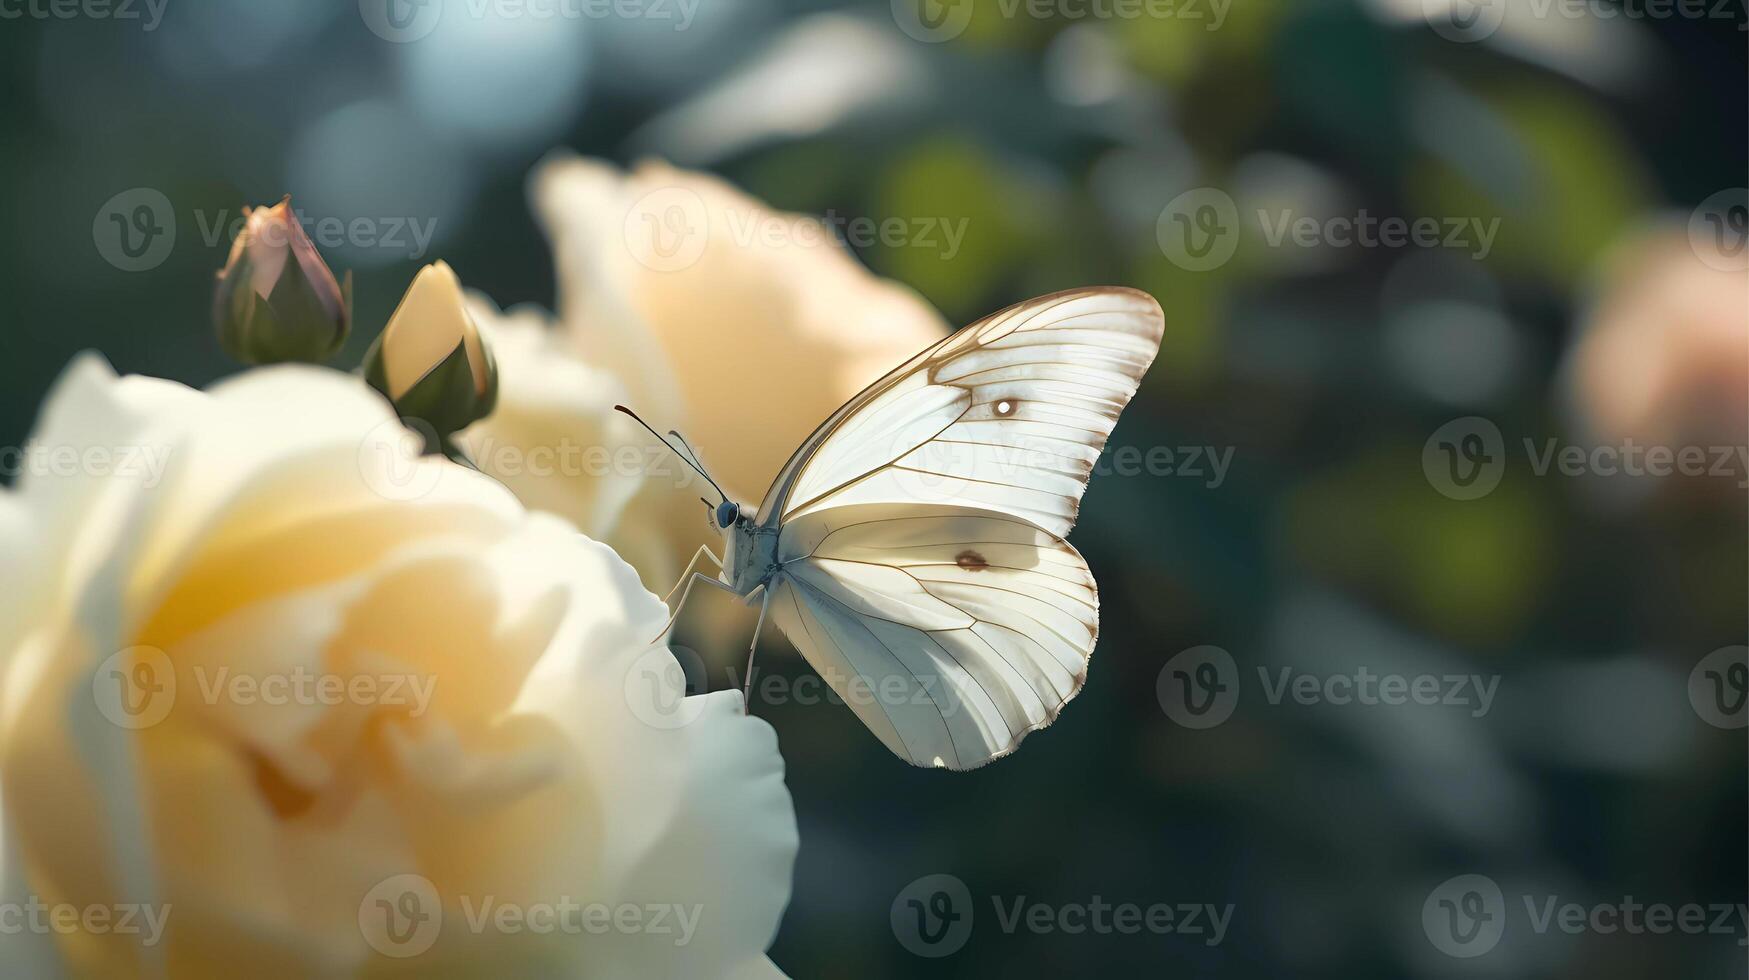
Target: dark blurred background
pixel 1605 145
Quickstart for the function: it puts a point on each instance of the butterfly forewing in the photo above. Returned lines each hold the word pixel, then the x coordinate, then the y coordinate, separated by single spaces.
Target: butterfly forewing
pixel 922 567
pixel 1008 414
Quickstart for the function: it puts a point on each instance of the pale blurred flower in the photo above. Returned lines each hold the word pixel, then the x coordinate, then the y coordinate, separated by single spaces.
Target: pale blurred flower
pixel 1663 358
pixel 741 326
pixel 556 441
pixel 479 736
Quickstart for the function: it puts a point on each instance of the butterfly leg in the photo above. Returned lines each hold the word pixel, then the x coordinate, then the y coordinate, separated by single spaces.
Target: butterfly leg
pixel 747 679
pixel 703 549
pixel 696 577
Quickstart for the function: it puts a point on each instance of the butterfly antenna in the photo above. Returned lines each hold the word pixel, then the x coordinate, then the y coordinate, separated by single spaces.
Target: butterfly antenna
pixel 683 456
pixel 697 460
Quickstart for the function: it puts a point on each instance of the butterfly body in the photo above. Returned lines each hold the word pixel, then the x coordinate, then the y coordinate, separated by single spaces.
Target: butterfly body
pixel 913 547
pixel 749 555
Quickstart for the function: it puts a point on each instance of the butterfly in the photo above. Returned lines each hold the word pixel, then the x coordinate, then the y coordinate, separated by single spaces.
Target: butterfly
pixel 913 549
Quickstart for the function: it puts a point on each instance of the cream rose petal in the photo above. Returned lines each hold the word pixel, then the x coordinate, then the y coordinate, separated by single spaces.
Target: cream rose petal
pixel 554 438
pixel 286 515
pixel 708 823
pixel 764 321
pixel 88 409
pixel 75 519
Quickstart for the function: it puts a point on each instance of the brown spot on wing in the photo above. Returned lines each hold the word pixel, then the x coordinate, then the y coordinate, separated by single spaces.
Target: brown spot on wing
pixel 971 560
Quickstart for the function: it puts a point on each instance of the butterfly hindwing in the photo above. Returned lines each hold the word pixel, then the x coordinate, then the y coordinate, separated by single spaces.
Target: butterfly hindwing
pixel 951 632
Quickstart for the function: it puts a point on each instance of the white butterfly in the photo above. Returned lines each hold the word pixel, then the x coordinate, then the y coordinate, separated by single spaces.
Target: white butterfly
pixel 912 549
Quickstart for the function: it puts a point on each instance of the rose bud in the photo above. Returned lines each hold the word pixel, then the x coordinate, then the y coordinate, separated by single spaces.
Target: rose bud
pixel 276 300
pixel 430 360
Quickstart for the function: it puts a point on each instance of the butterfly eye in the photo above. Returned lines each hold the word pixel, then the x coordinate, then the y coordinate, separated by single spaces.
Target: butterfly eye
pixel 1004 408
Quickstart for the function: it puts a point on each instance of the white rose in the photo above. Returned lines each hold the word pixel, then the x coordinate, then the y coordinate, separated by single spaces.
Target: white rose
pixel 155 764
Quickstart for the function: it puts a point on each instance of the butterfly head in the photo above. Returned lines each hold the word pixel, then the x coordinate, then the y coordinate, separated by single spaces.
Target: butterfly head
pixel 728 512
